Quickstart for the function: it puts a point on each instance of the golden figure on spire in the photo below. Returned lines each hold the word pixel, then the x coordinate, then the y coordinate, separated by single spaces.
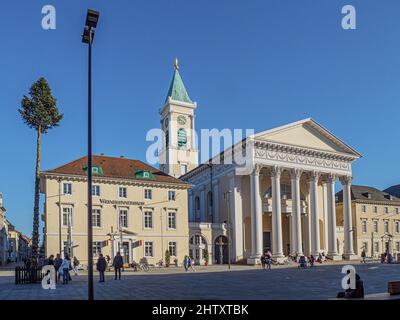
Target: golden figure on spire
pixel 176 65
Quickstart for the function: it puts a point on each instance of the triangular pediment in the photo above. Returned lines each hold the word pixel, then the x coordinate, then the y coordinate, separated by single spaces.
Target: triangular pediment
pixel 307 134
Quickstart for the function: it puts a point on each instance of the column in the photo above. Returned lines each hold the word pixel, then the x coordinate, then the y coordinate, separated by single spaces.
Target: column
pixel 216 201
pixel 235 185
pixel 277 248
pixel 314 218
pixel 331 206
pixel 347 218
pixel 202 205
pixel 191 211
pixel 325 212
pixel 256 216
pixel 296 244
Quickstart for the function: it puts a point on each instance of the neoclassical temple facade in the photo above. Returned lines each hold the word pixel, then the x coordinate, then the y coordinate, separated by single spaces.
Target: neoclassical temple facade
pixel 285 203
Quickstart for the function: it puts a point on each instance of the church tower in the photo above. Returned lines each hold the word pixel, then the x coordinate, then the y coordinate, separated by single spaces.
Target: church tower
pixel 179 153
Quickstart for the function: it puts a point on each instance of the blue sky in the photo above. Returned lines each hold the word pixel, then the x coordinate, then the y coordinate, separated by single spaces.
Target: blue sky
pixel 248 64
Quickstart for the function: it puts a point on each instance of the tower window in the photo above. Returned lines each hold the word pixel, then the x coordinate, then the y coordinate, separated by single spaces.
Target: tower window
pixel 182 138
pixel 183 168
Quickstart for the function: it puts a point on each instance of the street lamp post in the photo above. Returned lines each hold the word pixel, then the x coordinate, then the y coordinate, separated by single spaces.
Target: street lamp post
pixel 228 204
pixel 92 18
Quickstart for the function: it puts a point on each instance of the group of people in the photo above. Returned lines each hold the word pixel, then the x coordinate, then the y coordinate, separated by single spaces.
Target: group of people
pixel 266 260
pixel 64 266
pixel 188 263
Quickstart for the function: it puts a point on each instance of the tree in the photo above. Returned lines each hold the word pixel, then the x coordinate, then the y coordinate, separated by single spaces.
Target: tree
pixel 206 256
pixel 167 258
pixel 39 112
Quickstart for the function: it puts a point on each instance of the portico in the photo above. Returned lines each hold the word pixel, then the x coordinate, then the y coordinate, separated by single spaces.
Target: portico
pixel 284 201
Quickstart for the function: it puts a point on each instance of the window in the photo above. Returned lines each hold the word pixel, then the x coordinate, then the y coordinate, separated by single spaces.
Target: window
pixel 386 210
pixel 172 248
pixel 171 195
pixel 123 218
pixel 397 210
pixel 386 227
pixel 67 216
pixel 67 187
pixel 96 218
pixel 148 194
pixel 96 191
pixel 376 247
pixel 398 246
pixel 183 169
pixel 375 225
pixel 96 248
pixel 122 192
pixel 375 209
pixel 182 138
pixel 148 220
pixel 397 226
pixel 148 249
pixel 171 220
pixel 364 226
pixel 364 208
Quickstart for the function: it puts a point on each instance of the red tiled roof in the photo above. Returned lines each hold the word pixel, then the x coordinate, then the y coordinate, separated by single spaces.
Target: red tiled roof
pixel 121 168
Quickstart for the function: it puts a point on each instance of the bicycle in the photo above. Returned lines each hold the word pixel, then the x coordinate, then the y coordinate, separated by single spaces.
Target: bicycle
pixel 144 267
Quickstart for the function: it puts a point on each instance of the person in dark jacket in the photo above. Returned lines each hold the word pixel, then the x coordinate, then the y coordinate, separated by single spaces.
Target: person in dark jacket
pixel 50 261
pixel 57 265
pixel 118 264
pixel 263 261
pixel 101 267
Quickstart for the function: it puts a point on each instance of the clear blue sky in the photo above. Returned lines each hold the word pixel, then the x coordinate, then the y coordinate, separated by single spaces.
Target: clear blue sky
pixel 248 64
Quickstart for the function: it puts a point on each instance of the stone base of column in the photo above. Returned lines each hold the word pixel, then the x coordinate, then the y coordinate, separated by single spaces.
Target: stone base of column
pixel 350 256
pixel 334 257
pixel 279 257
pixel 253 261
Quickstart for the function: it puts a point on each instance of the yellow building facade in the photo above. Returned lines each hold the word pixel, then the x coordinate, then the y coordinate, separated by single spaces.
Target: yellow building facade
pixel 376 220
pixel 137 210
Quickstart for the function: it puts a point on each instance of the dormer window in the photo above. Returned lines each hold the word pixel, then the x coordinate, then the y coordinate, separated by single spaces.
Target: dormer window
pixel 368 195
pixel 389 196
pixel 144 174
pixel 97 170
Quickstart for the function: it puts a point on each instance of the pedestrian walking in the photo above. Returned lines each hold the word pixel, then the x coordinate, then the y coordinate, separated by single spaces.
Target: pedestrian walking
pixel 50 260
pixel 269 260
pixel 263 261
pixel 66 263
pixel 191 264
pixel 185 263
pixel 312 259
pixel 363 255
pixel 101 266
pixel 108 262
pixel 118 264
pixel 57 265
pixel 76 265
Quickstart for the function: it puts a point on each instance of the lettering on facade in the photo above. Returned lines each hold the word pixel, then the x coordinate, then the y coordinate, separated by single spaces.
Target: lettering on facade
pixel 122 202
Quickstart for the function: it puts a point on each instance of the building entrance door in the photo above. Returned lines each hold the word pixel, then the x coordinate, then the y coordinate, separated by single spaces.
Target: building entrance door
pixel 266 241
pixel 125 252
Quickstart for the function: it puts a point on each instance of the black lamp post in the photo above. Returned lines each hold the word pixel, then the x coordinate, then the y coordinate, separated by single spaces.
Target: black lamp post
pixel 88 34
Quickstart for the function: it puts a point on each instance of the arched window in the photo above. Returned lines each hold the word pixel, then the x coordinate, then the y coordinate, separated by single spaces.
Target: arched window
pixel 197 203
pixel 182 138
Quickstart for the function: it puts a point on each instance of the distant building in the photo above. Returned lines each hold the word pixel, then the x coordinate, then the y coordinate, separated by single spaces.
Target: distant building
pixel 19 245
pixel 3 233
pixel 376 220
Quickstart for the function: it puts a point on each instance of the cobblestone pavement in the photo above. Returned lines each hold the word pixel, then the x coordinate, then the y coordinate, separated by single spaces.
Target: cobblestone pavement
pixel 212 282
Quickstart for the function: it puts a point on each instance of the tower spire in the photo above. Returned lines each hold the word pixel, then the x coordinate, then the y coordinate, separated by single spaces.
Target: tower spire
pixel 176 64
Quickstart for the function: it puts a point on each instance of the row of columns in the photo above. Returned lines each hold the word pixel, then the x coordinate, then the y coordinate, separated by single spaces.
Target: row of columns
pixel 296 233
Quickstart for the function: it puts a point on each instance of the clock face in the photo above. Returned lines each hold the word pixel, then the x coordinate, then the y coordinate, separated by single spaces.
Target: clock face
pixel 181 120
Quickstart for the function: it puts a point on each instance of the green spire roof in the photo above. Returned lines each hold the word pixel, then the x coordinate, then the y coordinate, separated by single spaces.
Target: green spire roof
pixel 177 90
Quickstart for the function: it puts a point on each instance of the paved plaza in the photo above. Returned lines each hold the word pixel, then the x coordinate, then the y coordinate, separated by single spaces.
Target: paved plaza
pixel 212 282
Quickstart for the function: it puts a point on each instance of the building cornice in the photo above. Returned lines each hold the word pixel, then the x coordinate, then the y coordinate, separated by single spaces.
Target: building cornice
pixel 115 180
